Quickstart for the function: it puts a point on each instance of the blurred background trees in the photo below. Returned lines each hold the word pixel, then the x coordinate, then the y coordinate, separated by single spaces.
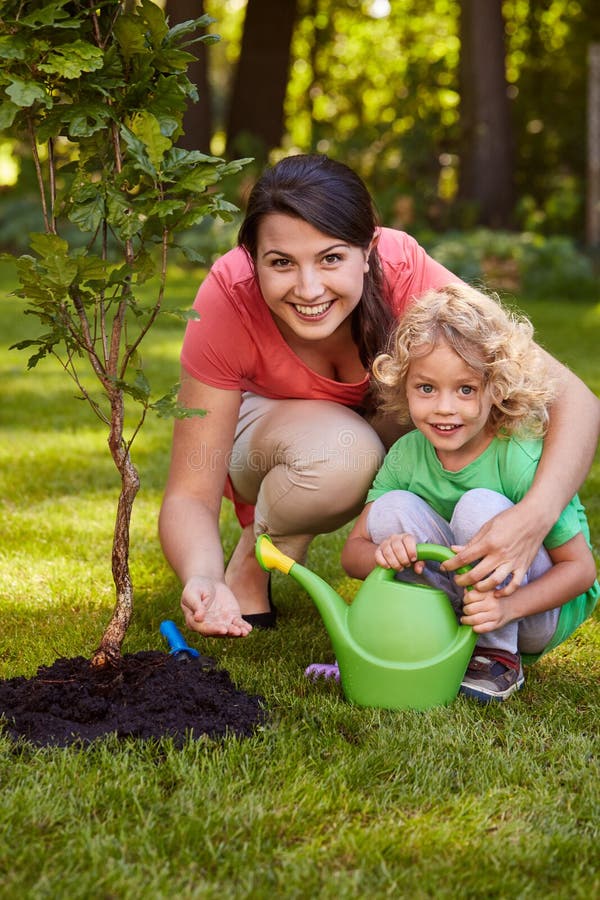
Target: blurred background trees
pixel 457 114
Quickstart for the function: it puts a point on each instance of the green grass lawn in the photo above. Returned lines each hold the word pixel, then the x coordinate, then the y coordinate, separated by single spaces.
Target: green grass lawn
pixel 328 800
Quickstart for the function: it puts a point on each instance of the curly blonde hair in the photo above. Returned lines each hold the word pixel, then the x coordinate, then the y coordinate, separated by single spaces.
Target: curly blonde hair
pixel 495 342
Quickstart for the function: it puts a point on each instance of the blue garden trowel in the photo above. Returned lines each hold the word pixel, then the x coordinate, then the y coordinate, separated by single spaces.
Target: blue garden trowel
pixel 178 647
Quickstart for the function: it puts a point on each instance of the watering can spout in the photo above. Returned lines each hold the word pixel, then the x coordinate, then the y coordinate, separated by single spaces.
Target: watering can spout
pixel 330 605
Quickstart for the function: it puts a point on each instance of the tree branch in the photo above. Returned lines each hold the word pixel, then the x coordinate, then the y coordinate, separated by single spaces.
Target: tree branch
pixel 156 308
pixel 40 177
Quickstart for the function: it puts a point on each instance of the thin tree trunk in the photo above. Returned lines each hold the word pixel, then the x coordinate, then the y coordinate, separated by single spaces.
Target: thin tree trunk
pixel 109 649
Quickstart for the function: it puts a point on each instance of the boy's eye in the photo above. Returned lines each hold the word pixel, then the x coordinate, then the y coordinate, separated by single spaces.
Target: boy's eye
pixel 466 390
pixel 426 388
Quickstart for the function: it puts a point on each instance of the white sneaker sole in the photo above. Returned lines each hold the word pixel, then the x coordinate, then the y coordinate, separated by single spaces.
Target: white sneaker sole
pixel 487 695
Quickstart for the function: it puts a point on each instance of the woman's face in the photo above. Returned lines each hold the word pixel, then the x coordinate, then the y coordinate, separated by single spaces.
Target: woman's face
pixel 310 281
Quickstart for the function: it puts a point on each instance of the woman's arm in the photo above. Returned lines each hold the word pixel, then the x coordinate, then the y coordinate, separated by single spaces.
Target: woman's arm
pixel 189 517
pixel 572 573
pixel 508 542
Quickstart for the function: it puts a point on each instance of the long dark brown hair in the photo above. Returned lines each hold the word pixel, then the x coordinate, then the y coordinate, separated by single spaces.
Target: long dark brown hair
pixel 332 198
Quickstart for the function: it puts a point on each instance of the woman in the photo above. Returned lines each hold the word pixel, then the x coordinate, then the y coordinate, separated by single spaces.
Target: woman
pixel 289 323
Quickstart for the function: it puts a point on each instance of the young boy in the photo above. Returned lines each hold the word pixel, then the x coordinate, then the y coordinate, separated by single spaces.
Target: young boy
pixel 467 375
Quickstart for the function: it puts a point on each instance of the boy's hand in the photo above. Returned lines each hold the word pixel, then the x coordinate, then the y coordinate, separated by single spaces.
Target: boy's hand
pixel 485 611
pixel 399 551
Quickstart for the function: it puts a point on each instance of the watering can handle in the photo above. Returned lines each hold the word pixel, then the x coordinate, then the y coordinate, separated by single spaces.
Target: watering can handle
pixel 435 552
pixel 270 558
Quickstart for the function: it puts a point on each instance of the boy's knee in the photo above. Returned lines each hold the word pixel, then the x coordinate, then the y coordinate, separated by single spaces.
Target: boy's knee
pixel 474 509
pixel 396 511
pixel 482 501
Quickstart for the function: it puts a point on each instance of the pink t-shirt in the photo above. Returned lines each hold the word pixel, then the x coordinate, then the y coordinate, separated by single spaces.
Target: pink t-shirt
pixel 236 345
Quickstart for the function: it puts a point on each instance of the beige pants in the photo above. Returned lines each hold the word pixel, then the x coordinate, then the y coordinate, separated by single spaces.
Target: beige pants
pixel 306 465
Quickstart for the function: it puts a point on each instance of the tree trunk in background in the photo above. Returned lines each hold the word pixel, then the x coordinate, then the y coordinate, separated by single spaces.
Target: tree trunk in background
pixel 197 121
pixel 593 148
pixel 486 170
pixel 256 115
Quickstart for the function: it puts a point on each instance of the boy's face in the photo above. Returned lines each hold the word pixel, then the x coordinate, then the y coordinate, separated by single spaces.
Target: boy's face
pixel 450 405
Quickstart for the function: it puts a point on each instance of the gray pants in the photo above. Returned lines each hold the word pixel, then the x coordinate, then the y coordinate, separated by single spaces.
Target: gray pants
pixel 402 511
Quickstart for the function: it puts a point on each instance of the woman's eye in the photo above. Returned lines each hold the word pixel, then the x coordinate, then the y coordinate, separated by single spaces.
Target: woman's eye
pixel 332 258
pixel 280 263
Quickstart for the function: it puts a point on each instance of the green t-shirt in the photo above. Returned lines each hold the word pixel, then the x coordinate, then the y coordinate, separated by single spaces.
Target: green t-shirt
pixel 506 466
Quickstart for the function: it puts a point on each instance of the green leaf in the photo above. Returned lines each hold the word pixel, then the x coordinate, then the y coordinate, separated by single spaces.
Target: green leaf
pixel 168 103
pixel 168 407
pixel 165 208
pixel 51 14
pixel 121 214
pixel 91 270
pixel 137 149
pixel 141 384
pixel 72 59
pixel 235 166
pixel 46 244
pixel 44 343
pixel 203 39
pixel 146 127
pixel 155 19
pixel 169 60
pixel 178 157
pixel 12 48
pixel 192 255
pixel 224 206
pixel 88 215
pixel 198 179
pixel 186 314
pixel 130 34
pixel 85 119
pixel 139 390
pixel 60 269
pixel 25 93
pixel 188 26
pixel 8 112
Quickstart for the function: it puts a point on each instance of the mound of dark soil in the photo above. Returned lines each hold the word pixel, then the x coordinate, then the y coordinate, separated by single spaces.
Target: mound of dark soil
pixel 144 695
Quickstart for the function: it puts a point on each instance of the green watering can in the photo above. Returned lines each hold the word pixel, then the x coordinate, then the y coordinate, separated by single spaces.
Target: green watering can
pixel 398 645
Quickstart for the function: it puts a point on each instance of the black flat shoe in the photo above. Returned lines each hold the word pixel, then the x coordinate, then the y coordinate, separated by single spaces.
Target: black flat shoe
pixel 266 620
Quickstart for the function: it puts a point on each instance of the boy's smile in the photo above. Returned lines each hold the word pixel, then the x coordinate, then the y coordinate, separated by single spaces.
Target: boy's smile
pixel 450 405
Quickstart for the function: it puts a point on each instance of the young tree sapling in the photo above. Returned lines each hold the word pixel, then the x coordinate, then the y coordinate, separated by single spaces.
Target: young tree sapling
pixel 98 90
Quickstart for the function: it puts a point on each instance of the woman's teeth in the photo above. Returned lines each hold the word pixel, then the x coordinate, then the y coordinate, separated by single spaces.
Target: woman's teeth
pixel 313 310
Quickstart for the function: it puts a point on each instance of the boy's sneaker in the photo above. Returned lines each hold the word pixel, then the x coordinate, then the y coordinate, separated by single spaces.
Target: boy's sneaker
pixel 492 675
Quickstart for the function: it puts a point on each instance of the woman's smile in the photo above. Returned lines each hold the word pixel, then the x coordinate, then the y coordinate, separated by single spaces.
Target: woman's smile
pixel 313 312
pixel 310 281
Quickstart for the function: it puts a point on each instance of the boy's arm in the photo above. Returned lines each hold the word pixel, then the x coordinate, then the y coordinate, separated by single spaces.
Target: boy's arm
pixel 358 554
pixel 572 573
